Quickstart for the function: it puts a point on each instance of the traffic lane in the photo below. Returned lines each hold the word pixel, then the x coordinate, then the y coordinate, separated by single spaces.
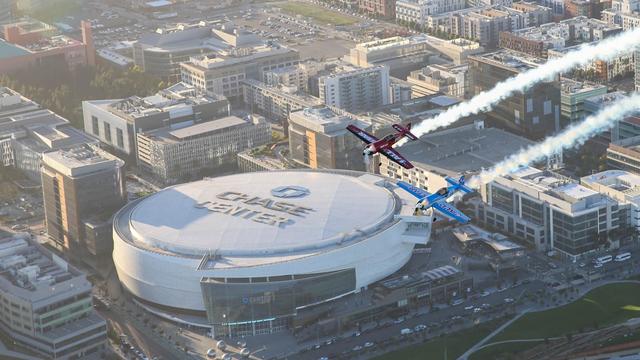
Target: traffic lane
pixel 379 334
pixel 123 325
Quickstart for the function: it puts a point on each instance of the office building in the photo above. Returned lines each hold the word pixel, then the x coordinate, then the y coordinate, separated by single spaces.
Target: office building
pixel 82 187
pixel 538 40
pixel 27 131
pixel 31 43
pixel 621 129
pixel 47 303
pixel 551 212
pixel 451 80
pixel 172 155
pixel 417 11
pixel 223 72
pixel 400 54
pixel 355 89
pixel 116 122
pixel 294 238
pixel 624 154
pixel 276 102
pixel 533 113
pixel 385 9
pixel 623 187
pixel 161 52
pixel 318 139
pixel 572 96
pixel 463 150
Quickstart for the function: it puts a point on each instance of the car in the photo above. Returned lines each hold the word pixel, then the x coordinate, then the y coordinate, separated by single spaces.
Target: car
pixel 477 310
pixel 323 358
pixel 468 308
pixel 485 306
pixel 597 265
pixel 399 320
pixel 328 342
pixel 485 293
pixel 406 331
pixel 368 344
pixel 457 302
pixel 420 327
pixel 357 348
pixel 582 265
pixel 356 334
pixel 508 300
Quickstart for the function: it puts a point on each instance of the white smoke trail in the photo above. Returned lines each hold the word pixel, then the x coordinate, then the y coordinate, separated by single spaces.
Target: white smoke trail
pixel 574 135
pixel 607 49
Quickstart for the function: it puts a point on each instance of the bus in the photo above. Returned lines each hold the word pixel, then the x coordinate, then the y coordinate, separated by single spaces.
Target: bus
pixel 623 256
pixel 604 259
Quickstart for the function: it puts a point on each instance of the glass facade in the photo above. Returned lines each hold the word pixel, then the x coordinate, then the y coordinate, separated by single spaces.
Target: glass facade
pixel 502 199
pixel 575 235
pixel 238 300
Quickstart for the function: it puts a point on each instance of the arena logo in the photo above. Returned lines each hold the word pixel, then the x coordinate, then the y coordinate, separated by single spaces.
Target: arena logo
pixel 290 191
pixel 235 204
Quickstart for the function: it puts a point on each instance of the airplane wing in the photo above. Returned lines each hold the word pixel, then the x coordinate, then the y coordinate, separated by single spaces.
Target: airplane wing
pixel 450 212
pixel 413 190
pixel 396 157
pixel 361 134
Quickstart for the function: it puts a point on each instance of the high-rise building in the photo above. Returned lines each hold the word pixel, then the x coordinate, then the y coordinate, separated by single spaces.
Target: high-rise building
pixel 551 212
pixel 82 187
pixel 533 113
pixel 47 303
pixel 355 89
pixel 116 122
pixel 318 139
pixel 173 155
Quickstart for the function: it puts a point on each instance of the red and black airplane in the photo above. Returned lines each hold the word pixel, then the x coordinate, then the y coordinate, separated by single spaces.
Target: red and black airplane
pixel 384 146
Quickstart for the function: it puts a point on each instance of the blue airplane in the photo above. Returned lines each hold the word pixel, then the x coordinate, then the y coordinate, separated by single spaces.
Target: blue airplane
pixel 438 199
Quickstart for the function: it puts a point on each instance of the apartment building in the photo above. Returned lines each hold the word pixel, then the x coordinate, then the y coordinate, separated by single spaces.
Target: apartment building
pixel 355 89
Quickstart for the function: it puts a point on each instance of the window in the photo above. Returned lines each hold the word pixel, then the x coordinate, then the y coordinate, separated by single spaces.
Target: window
pixel 107 132
pixel 547 107
pixel 119 138
pixel 95 128
pixel 536 120
pixel 529 105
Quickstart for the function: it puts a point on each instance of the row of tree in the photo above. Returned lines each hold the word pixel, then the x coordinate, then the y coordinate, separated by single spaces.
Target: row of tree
pixel 62 91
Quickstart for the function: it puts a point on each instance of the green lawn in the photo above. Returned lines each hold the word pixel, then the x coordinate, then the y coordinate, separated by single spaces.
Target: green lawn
pixel 455 344
pixel 604 306
pixel 317 13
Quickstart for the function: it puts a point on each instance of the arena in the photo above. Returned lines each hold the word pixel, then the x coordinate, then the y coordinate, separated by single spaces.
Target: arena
pixel 255 248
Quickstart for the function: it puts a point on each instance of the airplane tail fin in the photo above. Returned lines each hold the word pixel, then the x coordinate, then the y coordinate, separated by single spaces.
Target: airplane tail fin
pixel 459 184
pixel 409 134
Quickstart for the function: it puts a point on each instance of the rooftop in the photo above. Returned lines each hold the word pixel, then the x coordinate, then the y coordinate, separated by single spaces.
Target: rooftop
pixel 510 59
pixel 170 135
pixel 468 148
pixel 306 212
pixel 325 119
pixel 569 86
pixel 603 100
pixel 33 273
pixel 8 50
pixel 80 160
